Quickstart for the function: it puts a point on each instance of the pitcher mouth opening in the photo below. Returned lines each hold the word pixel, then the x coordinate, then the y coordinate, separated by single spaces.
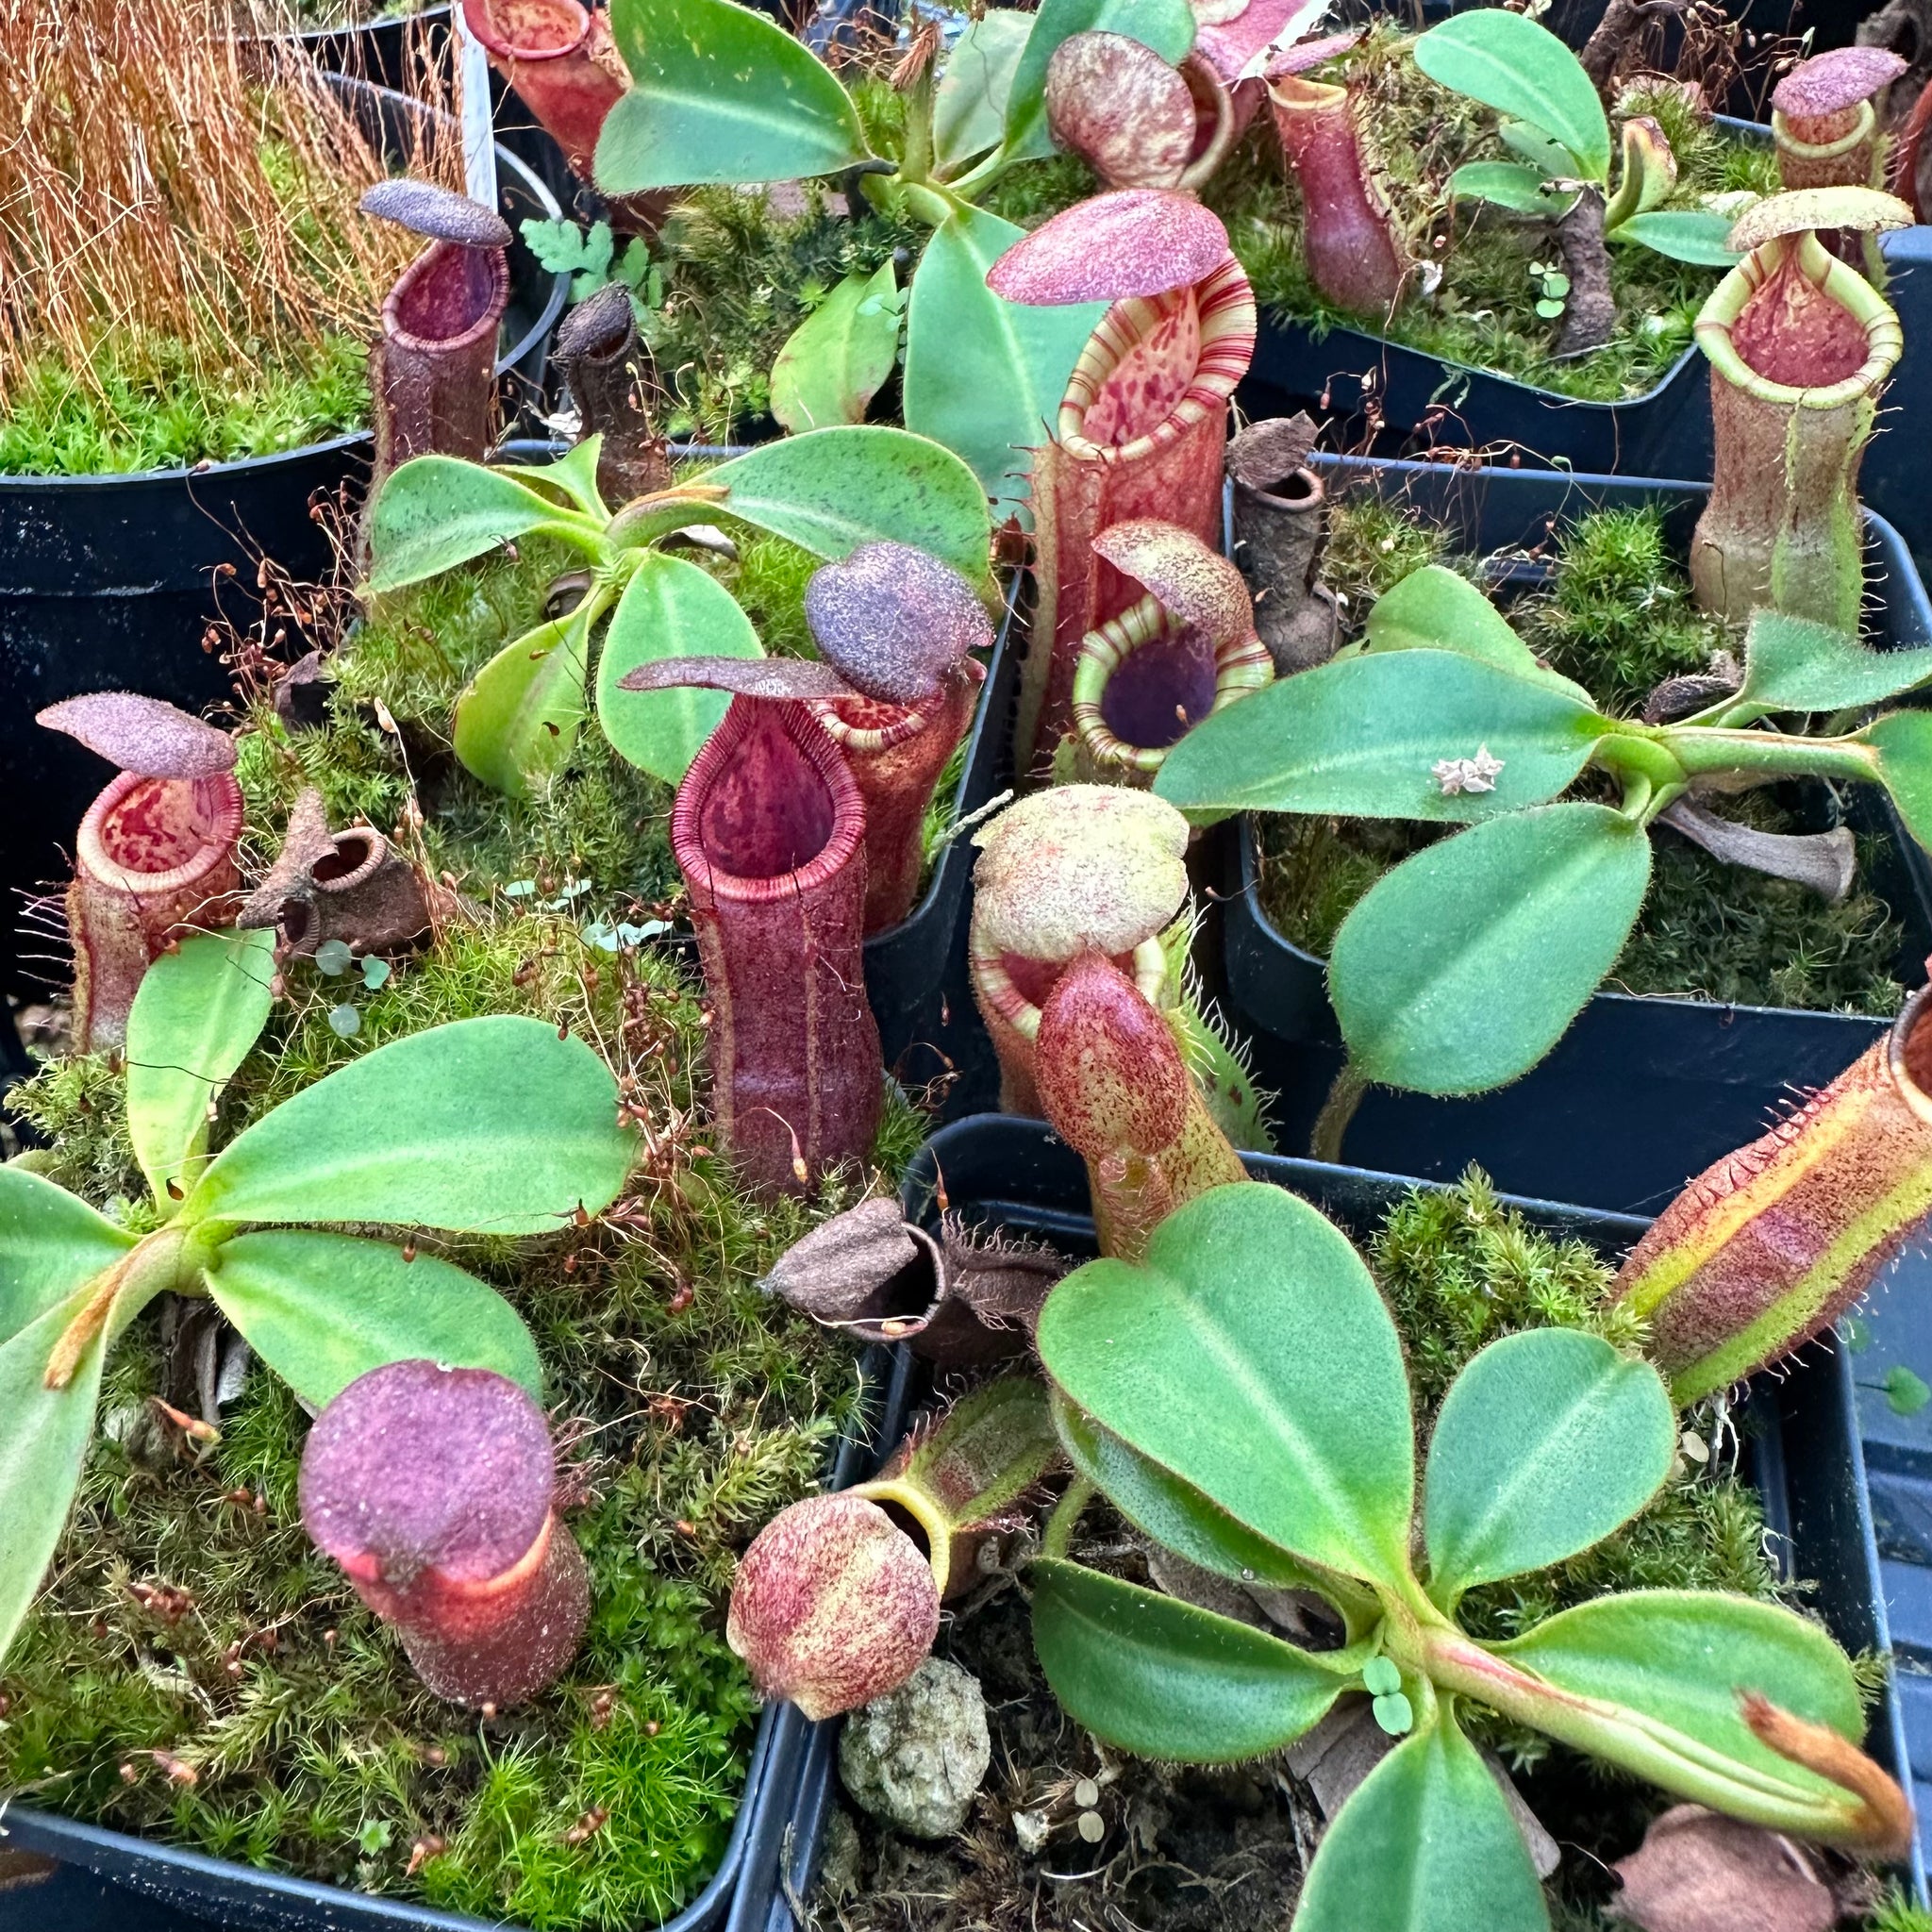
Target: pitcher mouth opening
pixel 769 808
pixel 448 298
pixel 529 30
pixel 1016 987
pixel 156 836
pixel 1909 1053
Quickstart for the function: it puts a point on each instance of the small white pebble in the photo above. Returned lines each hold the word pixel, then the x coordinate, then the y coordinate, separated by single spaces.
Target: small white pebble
pixel 1694 1446
pixel 1030 1828
pixel 1086 1794
pixel 1090 1827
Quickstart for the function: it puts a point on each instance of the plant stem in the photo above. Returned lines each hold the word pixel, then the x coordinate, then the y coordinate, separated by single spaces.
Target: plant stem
pixel 1057 1536
pixel 980 176
pixel 1337 1111
pixel 1708 748
pixel 915 165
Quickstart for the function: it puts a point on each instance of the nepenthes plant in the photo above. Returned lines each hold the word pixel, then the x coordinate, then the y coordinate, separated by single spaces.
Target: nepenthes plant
pixel 498 1126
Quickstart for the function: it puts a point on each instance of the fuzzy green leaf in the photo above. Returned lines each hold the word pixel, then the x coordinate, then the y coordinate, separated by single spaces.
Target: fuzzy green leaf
pixel 436 512
pixel 493 1125
pixel 43 1436
pixel 1161 1678
pixel 718 93
pixel 969 109
pixel 1250 1356
pixel 1176 1514
pixel 198 1011
pixel 320 1309
pixel 1463 967
pixel 1165 25
pixel 832 490
pixel 1362 737
pixel 669 609
pixel 1682 1657
pixel 1793 664
pixel 1433 610
pixel 574 474
pixel 1546 1443
pixel 1692 234
pixel 51 1243
pixel 1508 62
pixel 1903 741
pixel 833 362
pixel 1508 185
pixel 518 719
pixel 993 1447
pixel 984 376
pixel 1425 1844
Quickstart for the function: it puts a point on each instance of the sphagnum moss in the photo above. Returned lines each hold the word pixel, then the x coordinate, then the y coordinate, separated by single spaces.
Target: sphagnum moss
pixel 266 1715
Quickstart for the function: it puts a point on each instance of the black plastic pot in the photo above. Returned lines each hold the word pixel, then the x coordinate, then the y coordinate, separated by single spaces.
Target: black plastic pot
pixel 109 582
pixel 224 1892
pixel 1424 401
pixel 1800 1428
pixel 1642 1092
pixel 383 51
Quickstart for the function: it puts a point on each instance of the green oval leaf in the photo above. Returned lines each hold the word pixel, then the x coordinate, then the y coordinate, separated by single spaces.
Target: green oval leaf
pixel 1151 1674
pixel 198 1012
pixel 669 609
pixel 43 1436
pixel 436 512
pixel 1545 1444
pixel 1508 185
pixel 1362 737
pixel 320 1309
pixel 51 1243
pixel 984 376
pixel 1166 26
pixel 1682 1657
pixel 1176 1514
pixel 969 109
pixel 1251 1356
pixel 833 362
pixel 1692 234
pixel 1462 968
pixel 718 93
pixel 491 1125
pixel 1793 664
pixel 1508 62
pixel 574 474
pixel 1427 1843
pixel 1903 741
pixel 832 490
pixel 518 719
pixel 1433 610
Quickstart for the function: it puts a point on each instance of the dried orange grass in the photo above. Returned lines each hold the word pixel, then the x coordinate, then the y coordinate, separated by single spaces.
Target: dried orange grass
pixel 161 170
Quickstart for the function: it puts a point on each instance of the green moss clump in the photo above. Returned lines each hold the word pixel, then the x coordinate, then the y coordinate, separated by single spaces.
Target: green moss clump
pixel 1618 616
pixel 146 405
pixel 277 1721
pixel 1483 314
pixel 1373 544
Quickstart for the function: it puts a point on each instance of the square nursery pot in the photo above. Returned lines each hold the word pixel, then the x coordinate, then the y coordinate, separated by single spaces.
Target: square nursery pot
pixel 1642 1092
pixel 1424 400
pixel 222 1891
pixel 1800 1430
pixel 108 583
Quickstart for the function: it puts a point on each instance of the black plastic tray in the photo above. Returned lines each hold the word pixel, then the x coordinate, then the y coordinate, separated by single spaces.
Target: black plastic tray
pixel 1664 432
pixel 1800 1427
pixel 107 582
pixel 224 1892
pixel 1642 1092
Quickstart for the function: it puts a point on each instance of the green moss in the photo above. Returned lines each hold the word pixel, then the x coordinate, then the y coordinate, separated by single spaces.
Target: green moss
pixel 1483 314
pixel 1617 615
pixel 1895 1913
pixel 695 1405
pixel 148 405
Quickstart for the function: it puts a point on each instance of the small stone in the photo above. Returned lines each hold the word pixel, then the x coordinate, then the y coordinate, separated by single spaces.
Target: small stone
pixel 1086 1794
pixel 1030 1831
pixel 841 1868
pixel 916 1757
pixel 1090 1827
